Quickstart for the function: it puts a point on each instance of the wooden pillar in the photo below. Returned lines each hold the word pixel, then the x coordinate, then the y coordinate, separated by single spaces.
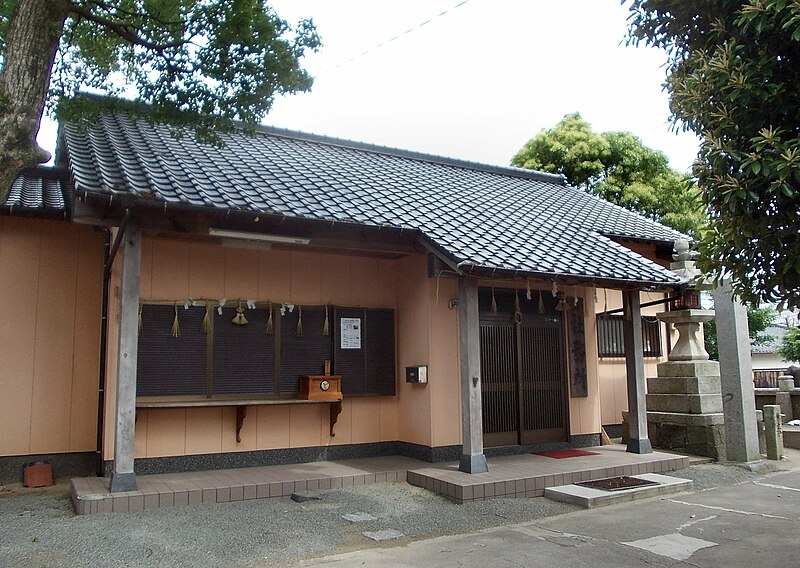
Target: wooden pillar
pixel 473 459
pixel 122 476
pixel 638 442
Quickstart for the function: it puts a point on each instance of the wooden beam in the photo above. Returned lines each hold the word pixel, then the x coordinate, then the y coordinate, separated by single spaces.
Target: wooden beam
pixel 638 442
pixel 122 476
pixel 473 459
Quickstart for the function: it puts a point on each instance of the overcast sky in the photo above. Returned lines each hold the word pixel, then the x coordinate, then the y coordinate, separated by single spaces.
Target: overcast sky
pixel 479 81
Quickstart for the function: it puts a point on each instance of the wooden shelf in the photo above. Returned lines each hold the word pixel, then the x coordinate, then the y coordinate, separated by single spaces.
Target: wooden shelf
pixel 241 405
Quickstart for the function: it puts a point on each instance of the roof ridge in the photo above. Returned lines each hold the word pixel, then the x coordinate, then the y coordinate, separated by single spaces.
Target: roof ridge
pixel 557 179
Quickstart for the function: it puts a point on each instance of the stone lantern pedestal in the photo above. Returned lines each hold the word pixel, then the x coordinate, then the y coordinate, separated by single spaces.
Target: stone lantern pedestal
pixel 684 404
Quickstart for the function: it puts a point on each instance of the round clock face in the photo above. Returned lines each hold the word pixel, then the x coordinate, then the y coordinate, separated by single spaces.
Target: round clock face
pixel 324 385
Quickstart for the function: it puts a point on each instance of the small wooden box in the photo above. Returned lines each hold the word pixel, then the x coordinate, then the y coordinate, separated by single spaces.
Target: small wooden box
pixel 311 388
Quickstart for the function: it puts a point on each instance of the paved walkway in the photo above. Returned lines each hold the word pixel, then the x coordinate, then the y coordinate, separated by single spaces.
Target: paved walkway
pixel 755 523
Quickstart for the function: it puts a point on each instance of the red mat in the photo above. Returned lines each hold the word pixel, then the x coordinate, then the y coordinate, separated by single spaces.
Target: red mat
pixel 560 454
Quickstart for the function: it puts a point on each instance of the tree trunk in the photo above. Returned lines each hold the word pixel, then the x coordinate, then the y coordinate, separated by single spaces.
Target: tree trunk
pixel 33 36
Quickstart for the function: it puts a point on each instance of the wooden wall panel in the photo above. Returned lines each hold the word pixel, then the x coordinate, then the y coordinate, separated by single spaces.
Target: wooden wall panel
pixel 271 430
pixel 86 343
pixel 166 432
pixel 366 419
pixel 444 371
pixel 387 277
pixel 170 273
pixel 241 273
pixel 306 278
pixel 413 342
pixel 140 438
pixel 50 300
pixel 364 282
pixel 304 422
pixel 203 430
pixel 389 418
pixel 20 247
pixel 338 284
pixel 274 280
pixel 145 269
pixel 206 276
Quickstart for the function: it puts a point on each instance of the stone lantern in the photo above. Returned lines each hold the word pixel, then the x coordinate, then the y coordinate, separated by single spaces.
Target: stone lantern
pixel 684 404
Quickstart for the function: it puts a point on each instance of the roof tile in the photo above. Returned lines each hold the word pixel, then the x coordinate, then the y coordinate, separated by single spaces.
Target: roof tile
pixel 489 216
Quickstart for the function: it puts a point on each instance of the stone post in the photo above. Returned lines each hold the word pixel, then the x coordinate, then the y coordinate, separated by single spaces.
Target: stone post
pixel 783 397
pixel 773 431
pixel 736 371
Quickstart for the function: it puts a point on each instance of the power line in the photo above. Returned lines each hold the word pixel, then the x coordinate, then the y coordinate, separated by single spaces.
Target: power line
pixel 390 40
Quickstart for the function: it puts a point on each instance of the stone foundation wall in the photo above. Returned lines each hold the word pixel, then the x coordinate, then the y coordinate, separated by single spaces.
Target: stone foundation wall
pixel 706 441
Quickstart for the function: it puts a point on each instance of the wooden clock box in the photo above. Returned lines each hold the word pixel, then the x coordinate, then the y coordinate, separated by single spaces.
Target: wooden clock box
pixel 321 387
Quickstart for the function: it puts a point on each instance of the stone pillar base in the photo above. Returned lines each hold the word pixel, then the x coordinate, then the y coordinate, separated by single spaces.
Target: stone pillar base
pixel 694 434
pixel 120 482
pixel 706 441
pixel 473 464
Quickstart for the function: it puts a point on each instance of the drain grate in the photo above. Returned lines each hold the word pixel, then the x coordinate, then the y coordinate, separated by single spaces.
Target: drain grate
pixel 617 483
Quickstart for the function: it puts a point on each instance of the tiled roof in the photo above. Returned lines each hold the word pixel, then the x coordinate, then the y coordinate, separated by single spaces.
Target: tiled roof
pixel 483 217
pixel 773 339
pixel 38 190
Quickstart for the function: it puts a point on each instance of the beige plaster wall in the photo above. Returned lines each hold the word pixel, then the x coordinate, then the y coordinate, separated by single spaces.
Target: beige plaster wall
pixel 51 277
pixel 429 414
pixel 611 370
pixel 768 361
pixel 427 334
pixel 174 269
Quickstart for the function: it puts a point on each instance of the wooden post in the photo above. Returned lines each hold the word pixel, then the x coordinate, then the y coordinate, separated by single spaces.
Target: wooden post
pixel 638 442
pixel 473 459
pixel 122 476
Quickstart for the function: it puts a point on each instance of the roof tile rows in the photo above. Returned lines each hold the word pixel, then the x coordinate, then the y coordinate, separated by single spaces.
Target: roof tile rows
pixel 488 216
pixel 39 189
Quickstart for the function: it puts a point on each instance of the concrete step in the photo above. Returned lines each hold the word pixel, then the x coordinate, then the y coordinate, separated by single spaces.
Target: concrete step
pixel 589 498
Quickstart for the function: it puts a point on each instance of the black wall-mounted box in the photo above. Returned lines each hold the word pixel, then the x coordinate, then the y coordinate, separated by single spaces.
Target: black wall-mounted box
pixel 417 374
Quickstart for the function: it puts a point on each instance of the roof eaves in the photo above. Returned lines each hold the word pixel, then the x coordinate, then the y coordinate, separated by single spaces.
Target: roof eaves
pixel 470 267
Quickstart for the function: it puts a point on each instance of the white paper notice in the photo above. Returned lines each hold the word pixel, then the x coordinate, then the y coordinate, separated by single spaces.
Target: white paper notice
pixel 351 333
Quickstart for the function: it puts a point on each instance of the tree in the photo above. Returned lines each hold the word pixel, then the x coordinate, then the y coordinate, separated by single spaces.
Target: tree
pixel 758 320
pixel 790 347
pixel 733 72
pixel 618 167
pixel 203 63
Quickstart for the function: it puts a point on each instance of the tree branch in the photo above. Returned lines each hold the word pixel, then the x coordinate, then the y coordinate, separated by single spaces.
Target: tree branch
pixel 122 30
pixel 145 16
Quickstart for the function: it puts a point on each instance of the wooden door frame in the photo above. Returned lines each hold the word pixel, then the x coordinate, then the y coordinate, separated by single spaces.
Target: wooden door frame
pixel 522 437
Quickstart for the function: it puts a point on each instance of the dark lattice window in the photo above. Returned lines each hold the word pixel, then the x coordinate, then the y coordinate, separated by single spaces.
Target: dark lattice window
pixel 610 341
pixel 170 365
pixel 230 359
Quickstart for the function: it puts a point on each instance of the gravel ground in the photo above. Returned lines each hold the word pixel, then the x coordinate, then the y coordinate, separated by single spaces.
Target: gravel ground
pixel 40 529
